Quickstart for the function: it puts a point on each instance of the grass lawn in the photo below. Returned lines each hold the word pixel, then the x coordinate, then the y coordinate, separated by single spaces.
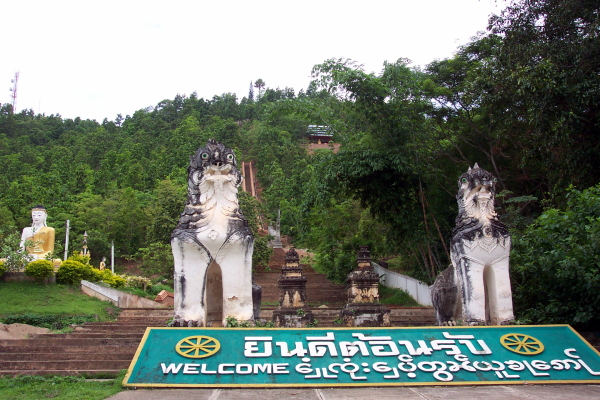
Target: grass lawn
pixel 396 297
pixel 34 298
pixel 58 387
pixel 53 306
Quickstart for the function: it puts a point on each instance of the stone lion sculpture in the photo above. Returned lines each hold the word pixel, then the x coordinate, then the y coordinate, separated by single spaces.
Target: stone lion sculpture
pixel 212 244
pixel 475 288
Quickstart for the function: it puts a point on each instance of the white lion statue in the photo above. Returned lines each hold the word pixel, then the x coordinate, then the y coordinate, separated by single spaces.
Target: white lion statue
pixel 476 287
pixel 212 244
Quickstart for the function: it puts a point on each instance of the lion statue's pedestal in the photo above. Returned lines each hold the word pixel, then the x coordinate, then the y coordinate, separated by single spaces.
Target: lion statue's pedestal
pixel 476 287
pixel 212 244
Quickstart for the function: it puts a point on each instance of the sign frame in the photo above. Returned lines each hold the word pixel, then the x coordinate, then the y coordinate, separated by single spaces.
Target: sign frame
pixel 198 350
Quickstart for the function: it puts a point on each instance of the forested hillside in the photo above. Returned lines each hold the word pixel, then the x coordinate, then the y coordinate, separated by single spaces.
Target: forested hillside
pixel 522 100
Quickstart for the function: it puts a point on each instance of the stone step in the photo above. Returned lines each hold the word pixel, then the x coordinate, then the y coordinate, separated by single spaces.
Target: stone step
pixel 311 279
pixel 33 347
pixel 166 315
pixel 397 324
pixel 65 365
pixel 89 335
pixel 88 373
pixel 405 312
pixel 146 312
pixel 138 320
pixel 404 320
pixel 70 342
pixel 112 326
pixel 122 330
pixel 310 285
pixel 78 356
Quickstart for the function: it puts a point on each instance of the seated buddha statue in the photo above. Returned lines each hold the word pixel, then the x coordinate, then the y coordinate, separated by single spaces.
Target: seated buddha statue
pixel 41 235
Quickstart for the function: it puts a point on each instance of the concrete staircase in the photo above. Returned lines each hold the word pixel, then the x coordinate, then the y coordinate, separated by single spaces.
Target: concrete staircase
pixel 102 349
pixel 96 349
pixel 329 317
pixel 318 288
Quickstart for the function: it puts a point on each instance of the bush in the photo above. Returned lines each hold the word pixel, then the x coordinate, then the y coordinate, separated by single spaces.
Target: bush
pixel 555 265
pixel 2 268
pixel 77 256
pixel 96 275
pixel 157 288
pixel 40 269
pixel 137 282
pixel 111 279
pixel 71 272
pixel 15 257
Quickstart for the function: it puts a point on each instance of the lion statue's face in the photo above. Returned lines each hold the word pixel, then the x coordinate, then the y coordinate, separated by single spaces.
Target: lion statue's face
pixel 213 174
pixel 476 191
pixel 214 159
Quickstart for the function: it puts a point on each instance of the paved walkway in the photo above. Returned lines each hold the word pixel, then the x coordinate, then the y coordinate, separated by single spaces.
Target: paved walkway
pixel 530 392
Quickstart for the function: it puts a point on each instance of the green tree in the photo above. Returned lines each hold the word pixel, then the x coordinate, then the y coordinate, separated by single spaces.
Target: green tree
pixel 547 72
pixel 166 205
pixel 7 221
pixel 251 92
pixel 15 257
pixel 555 265
pixel 157 258
pixel 252 210
pixel 120 217
pixel 259 84
pixel 381 163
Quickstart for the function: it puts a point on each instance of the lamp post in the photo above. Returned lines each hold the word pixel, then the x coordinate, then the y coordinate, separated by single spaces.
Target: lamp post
pixel 85 236
pixel 67 240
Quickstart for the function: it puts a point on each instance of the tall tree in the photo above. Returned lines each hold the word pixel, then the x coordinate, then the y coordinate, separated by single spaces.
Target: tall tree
pixel 379 162
pixel 251 92
pixel 547 72
pixel 259 84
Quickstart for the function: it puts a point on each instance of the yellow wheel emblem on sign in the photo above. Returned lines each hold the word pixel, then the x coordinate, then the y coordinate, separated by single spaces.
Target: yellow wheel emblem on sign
pixel 198 346
pixel 522 344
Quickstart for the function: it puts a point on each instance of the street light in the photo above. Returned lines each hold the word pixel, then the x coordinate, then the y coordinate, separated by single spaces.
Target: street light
pixel 85 236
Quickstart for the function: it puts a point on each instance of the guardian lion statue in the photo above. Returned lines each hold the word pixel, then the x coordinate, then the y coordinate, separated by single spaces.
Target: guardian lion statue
pixel 475 288
pixel 212 244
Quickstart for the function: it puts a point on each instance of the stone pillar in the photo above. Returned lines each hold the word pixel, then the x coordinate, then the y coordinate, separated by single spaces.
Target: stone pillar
pixel 293 311
pixel 276 233
pixel 362 285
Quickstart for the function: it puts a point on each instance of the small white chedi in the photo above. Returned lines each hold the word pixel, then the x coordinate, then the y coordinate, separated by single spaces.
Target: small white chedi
pixel 475 288
pixel 41 235
pixel 212 244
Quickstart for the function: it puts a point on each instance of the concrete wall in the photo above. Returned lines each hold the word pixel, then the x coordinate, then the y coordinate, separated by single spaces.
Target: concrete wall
pixel 415 288
pixel 118 298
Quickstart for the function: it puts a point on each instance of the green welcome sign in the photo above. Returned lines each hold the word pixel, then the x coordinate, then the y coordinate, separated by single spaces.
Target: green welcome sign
pixel 213 357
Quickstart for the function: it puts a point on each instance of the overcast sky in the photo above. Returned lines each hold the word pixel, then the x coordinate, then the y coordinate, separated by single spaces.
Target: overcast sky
pixel 97 59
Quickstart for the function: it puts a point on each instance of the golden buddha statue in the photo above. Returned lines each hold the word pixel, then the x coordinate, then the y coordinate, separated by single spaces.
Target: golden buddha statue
pixel 41 235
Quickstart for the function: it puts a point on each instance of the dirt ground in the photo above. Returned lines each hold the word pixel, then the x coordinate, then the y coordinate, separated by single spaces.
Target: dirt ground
pixel 19 331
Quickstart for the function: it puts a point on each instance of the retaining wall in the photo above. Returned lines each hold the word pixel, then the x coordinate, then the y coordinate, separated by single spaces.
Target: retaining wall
pixel 415 288
pixel 118 298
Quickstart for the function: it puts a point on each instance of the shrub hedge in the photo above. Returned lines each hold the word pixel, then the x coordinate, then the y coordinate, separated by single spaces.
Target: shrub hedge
pixel 39 269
